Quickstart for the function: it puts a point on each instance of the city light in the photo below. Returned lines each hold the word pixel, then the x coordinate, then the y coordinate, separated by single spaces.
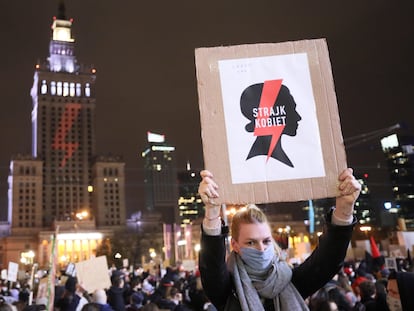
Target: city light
pixel 197 247
pixel 27 257
pixel 82 215
pixel 152 253
pixel 365 229
pixel 117 256
pixel 80 236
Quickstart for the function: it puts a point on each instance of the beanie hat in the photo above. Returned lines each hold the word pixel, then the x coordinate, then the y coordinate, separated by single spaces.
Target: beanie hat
pixel 99 296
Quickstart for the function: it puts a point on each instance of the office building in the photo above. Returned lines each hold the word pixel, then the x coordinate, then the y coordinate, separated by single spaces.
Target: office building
pixel 399 152
pixel 161 187
pixel 189 202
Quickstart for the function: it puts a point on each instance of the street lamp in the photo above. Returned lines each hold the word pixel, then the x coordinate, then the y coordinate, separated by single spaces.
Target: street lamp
pixel 26 258
pixel 152 253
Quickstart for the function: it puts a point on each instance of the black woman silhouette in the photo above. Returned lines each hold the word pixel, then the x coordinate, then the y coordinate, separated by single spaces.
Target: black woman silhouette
pixel 271 110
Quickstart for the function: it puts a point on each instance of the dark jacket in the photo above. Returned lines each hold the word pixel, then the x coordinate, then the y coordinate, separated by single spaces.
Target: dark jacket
pixel 319 268
pixel 405 281
pixel 116 298
pixel 105 307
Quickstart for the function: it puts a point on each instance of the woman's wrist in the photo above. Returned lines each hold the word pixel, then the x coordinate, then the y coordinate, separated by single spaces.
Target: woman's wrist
pixel 212 212
pixel 341 217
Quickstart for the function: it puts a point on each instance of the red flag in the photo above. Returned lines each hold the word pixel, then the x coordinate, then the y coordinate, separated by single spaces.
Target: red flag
pixel 375 253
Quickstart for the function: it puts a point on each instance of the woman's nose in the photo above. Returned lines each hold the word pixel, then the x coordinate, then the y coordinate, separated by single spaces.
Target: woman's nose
pixel 261 246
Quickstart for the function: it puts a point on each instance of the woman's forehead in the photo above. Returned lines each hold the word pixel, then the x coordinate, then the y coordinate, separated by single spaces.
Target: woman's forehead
pixel 254 231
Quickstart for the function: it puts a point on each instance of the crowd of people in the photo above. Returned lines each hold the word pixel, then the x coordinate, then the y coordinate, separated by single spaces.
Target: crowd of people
pixel 254 276
pixel 356 287
pixel 359 287
pixel 175 290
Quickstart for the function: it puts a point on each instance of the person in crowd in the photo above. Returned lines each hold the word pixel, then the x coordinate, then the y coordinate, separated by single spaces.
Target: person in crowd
pixel 116 291
pixel 360 276
pixel 148 287
pixel 99 297
pixel 255 277
pixel 196 294
pixel 150 307
pixel 330 296
pixel 368 294
pixel 136 287
pixel 324 305
pixel 400 291
pixel 4 306
pixel 345 283
pixel 73 297
pixel 173 302
pixel 136 301
pixel 91 306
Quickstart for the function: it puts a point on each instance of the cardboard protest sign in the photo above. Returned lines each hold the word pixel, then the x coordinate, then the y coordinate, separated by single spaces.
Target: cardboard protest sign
pixel 93 274
pixel 270 123
pixel 12 271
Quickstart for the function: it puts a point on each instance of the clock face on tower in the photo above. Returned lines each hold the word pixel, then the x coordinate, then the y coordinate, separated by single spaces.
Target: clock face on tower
pixel 61 140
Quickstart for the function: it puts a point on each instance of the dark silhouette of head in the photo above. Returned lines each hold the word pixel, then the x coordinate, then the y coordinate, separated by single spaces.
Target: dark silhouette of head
pixel 269 122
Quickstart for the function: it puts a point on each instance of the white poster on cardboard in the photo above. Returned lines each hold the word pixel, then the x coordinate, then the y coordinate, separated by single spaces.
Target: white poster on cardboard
pixel 12 271
pixel 270 118
pixel 93 274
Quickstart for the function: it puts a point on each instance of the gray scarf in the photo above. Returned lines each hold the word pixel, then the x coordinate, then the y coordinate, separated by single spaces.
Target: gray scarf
pixel 272 284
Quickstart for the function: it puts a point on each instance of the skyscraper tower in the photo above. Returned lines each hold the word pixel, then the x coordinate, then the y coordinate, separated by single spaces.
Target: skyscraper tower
pixel 189 203
pixel 63 125
pixel 399 151
pixel 161 187
pixel 63 183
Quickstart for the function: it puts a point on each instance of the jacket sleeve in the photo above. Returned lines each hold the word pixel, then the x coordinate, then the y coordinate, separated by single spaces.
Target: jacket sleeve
pixel 325 261
pixel 215 276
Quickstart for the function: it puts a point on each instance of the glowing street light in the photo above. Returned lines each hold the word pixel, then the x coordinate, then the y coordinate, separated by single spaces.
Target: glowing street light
pixel 118 256
pixel 365 229
pixel 27 257
pixel 152 253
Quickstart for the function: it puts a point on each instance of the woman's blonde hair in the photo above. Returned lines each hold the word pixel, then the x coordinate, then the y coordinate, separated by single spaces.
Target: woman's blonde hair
pixel 250 214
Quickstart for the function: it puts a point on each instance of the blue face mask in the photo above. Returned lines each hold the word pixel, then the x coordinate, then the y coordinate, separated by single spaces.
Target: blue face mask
pixel 256 259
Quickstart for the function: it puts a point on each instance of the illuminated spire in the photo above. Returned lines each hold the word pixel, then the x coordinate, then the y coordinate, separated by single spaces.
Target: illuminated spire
pixel 61 10
pixel 62 55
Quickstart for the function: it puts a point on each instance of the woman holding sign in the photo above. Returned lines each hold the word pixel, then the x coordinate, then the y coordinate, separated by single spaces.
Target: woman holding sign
pixel 254 276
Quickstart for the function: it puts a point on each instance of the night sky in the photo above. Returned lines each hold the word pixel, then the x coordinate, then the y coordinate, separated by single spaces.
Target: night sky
pixel 144 55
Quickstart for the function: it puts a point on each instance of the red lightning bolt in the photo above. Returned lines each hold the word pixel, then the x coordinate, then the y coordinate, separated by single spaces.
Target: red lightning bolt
pixel 66 122
pixel 270 91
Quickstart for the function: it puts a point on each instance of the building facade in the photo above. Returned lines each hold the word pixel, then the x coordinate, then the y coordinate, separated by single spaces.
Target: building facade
pixel 399 152
pixel 161 186
pixel 190 204
pixel 63 187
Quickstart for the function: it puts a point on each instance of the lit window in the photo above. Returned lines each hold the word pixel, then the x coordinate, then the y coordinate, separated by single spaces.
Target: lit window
pixel 78 89
pixel 43 88
pixel 59 88
pixel 72 89
pixel 65 88
pixel 87 90
pixel 53 88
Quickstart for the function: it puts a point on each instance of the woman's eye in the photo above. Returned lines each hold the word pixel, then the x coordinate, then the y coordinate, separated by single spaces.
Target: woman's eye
pixel 267 242
pixel 250 243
